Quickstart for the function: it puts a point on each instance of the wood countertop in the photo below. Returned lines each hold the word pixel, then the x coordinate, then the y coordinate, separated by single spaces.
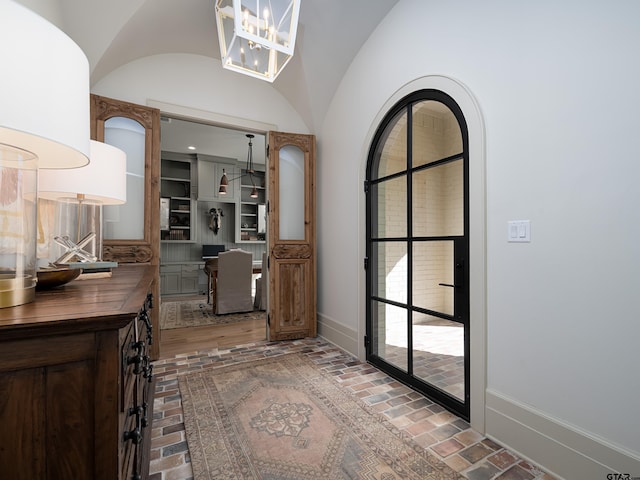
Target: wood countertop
pixel 81 305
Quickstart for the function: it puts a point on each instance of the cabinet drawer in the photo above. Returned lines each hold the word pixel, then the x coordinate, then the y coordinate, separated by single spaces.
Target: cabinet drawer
pixel 190 269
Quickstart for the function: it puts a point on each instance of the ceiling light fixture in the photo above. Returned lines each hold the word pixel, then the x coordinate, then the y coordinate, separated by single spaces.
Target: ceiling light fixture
pixel 224 182
pixel 257 39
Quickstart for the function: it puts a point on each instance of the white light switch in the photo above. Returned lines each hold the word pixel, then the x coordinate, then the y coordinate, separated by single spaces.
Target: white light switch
pixel 519 231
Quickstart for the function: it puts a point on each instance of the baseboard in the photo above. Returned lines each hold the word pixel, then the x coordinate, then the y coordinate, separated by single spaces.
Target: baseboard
pixel 338 334
pixel 558 448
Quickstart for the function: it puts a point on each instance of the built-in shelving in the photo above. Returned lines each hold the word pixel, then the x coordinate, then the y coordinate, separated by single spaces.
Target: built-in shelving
pixel 252 220
pixel 177 205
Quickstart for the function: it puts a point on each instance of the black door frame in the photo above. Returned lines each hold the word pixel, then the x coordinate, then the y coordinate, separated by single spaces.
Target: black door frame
pixel 461 251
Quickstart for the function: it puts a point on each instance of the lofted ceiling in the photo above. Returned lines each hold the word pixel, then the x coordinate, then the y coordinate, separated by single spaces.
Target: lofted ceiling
pixel 329 36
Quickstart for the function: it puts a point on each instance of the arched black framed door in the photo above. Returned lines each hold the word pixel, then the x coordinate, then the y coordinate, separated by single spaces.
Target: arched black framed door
pixel 418 248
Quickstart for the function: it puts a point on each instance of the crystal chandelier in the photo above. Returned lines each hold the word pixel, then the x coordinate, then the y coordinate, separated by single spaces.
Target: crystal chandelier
pixel 257 38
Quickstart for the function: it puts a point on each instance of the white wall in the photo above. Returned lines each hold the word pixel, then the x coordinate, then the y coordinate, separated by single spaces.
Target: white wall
pixel 200 83
pixel 558 87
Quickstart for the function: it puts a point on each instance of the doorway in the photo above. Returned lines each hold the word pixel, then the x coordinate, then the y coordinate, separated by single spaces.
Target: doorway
pixel 417 275
pixel 194 153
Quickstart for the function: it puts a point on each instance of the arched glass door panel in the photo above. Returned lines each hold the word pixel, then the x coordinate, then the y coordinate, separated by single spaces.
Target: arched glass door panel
pixel 127 220
pixel 417 248
pixel 292 200
pixel 392 156
pixel 435 132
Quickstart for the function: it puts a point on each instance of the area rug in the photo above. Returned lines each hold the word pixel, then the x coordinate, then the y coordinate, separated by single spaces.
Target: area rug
pixel 282 418
pixel 197 313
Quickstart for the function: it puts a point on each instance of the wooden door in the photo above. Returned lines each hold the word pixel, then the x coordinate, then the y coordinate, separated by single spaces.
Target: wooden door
pixel 291 236
pixel 143 245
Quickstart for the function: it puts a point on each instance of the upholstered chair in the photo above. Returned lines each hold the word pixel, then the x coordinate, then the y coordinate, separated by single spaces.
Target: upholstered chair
pixel 233 282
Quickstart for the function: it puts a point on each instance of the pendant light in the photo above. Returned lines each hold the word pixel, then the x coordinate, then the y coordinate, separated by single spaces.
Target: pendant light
pixel 224 182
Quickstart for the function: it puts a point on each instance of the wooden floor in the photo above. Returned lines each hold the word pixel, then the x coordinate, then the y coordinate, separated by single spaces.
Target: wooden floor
pixel 193 339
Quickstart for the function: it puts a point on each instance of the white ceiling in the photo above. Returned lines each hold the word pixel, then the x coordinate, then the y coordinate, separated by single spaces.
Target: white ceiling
pixel 113 33
pixel 330 34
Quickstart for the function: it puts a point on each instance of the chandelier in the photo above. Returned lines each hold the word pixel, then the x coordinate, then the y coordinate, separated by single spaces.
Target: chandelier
pixel 257 38
pixel 224 181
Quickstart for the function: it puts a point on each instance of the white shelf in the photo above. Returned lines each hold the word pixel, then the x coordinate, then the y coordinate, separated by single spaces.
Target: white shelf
pixel 176 179
pixel 247 212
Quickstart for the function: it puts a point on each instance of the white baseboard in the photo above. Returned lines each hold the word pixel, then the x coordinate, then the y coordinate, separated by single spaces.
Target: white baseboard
pixel 556 447
pixel 338 334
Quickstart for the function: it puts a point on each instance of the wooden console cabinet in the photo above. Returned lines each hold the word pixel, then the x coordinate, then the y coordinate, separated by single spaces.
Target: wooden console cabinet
pixel 76 382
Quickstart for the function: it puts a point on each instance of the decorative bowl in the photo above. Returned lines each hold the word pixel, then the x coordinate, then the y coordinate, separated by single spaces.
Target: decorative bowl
pixel 56 277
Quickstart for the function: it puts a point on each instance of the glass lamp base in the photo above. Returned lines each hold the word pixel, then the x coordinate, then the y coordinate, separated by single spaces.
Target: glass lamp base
pixel 18 182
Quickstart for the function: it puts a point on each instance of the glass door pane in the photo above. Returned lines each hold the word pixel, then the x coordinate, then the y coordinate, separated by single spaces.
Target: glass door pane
pixel 433 276
pixel 390 260
pixel 438 353
pixel 390 335
pixel 127 221
pixel 438 200
pixel 392 156
pixel 291 193
pixel 435 131
pixel 391 208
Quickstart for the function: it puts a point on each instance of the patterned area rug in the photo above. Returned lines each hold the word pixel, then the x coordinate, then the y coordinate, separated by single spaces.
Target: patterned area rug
pixel 283 418
pixel 197 313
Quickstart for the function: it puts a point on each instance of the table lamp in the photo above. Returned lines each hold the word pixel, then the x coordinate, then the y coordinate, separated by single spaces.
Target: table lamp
pixel 71 222
pixel 44 123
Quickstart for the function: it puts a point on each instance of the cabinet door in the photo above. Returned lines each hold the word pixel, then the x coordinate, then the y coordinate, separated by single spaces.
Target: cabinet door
pixel 209 175
pixel 190 278
pixel 47 412
pixel 190 284
pixel 171 280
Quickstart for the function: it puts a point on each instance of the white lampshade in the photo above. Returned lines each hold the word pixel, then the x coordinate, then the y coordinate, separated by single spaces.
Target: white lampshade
pixel 44 89
pixel 257 38
pixel 44 123
pixel 103 180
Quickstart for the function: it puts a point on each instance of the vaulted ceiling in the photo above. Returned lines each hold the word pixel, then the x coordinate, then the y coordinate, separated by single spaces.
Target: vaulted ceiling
pixel 330 34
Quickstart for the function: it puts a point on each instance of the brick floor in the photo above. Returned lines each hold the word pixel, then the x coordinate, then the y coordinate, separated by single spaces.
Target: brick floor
pixel 445 435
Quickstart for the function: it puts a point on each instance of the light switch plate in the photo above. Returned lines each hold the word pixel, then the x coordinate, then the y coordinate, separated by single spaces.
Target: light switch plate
pixel 519 231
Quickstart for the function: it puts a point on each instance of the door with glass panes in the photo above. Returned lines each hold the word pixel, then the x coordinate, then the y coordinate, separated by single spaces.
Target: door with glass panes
pixel 418 248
